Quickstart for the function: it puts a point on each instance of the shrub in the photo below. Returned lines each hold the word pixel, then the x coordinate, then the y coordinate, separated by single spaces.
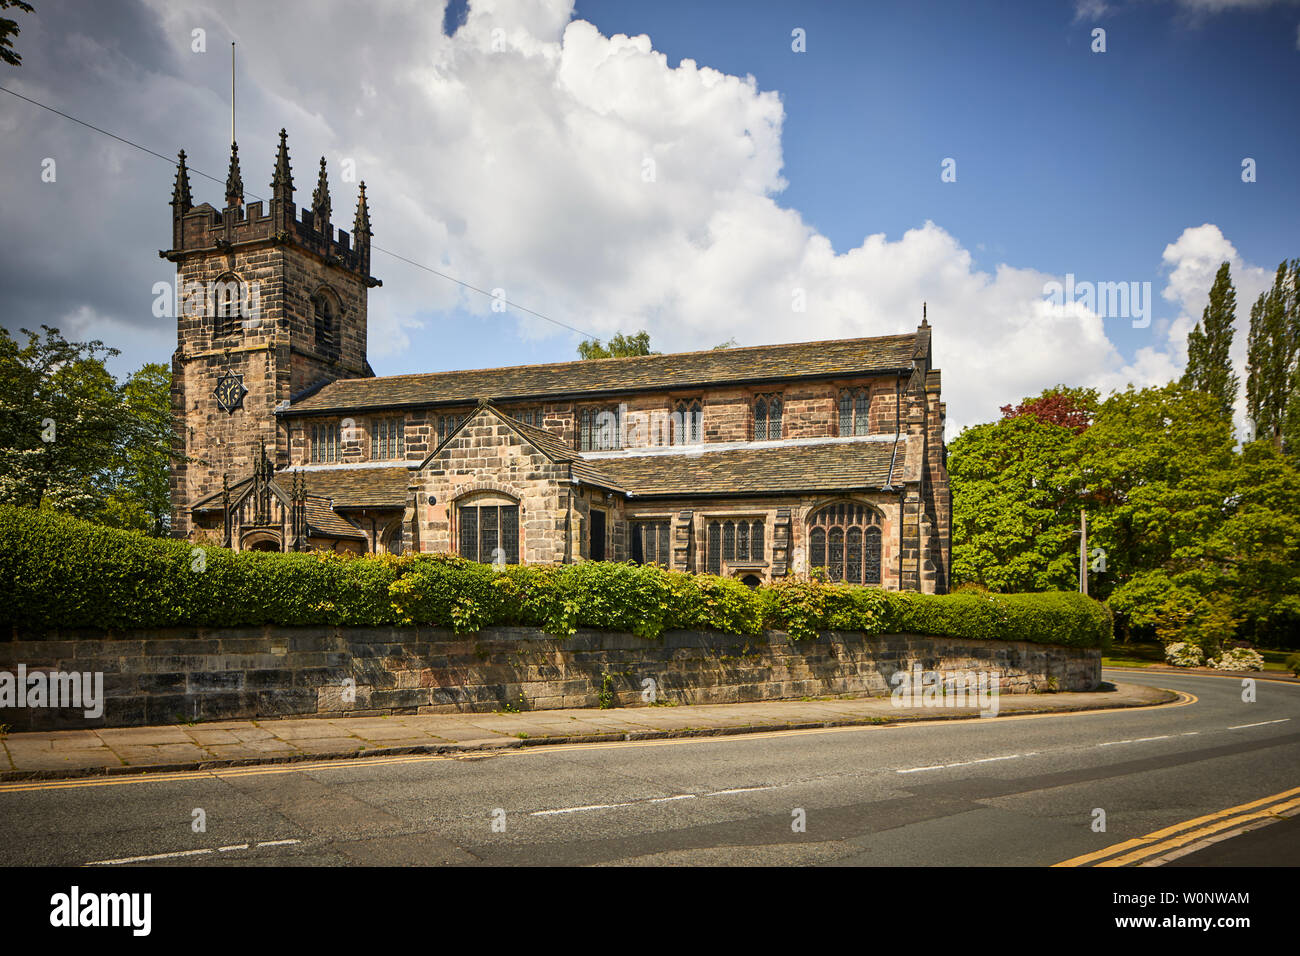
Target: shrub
pixel 58 572
pixel 1293 664
pixel 1184 654
pixel 1051 617
pixel 1238 659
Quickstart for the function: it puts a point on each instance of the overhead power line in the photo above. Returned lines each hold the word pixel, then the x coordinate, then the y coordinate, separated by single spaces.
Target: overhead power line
pixel 401 258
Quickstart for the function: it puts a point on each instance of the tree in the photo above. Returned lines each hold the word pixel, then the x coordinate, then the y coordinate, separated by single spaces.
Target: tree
pixel 140 495
pixel 1156 471
pixel 59 420
pixel 72 439
pixel 1015 505
pixel 1209 369
pixel 8 30
pixel 620 346
pixel 1071 408
pixel 1271 354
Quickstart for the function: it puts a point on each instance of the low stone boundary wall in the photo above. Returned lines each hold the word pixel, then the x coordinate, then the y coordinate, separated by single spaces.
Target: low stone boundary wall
pixel 180 675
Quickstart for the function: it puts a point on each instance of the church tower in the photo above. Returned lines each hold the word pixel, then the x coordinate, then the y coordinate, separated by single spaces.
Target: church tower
pixel 270 303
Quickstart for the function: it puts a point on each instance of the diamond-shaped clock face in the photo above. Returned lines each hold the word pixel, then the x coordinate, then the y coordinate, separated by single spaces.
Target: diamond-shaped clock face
pixel 230 391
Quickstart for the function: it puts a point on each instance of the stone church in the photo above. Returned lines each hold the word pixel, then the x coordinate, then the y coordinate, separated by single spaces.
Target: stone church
pixel 757 463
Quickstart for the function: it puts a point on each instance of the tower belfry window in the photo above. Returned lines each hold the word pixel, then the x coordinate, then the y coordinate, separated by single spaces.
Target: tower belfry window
pixel 326 322
pixel 226 301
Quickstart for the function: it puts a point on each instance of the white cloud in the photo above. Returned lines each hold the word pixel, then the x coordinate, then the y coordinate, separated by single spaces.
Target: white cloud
pixel 513 155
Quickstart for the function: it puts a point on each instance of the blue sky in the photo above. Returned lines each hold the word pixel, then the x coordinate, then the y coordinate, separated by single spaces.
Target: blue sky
pixel 1068 160
pixel 506 143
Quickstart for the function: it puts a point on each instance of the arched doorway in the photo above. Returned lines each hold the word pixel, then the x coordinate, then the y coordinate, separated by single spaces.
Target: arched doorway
pixel 261 541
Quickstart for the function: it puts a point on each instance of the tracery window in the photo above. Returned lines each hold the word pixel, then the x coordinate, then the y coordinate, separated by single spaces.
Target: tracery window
pixel 767 417
pixel 448 424
pixel 844 539
pixel 688 422
pixel 855 407
pixel 651 542
pixel 734 541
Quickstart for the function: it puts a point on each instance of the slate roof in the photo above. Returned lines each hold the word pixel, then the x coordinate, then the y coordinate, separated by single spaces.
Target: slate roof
pixel 833 466
pixel 358 487
pixel 828 359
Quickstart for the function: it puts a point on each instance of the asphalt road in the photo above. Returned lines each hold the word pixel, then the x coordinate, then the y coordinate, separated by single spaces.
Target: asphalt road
pixel 1004 791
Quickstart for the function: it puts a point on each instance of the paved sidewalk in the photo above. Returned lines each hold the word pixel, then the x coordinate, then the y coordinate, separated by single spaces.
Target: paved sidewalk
pixel 73 753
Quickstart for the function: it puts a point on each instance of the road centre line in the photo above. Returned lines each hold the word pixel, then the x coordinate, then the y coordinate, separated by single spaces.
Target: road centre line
pixel 1134 740
pixel 177 854
pixel 1262 723
pixel 634 803
pixel 966 763
pixel 594 806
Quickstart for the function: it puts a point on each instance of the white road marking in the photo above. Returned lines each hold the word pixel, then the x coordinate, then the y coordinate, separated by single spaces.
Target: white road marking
pixel 965 763
pixel 155 856
pixel 594 806
pixel 182 853
pixel 1135 740
pixel 637 803
pixel 1260 724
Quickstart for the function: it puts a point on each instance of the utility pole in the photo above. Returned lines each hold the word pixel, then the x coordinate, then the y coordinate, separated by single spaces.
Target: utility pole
pixel 1083 552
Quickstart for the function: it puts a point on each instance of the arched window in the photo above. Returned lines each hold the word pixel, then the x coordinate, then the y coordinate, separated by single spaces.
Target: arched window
pixel 325 314
pixel 844 538
pixel 767 417
pixel 226 300
pixel 688 419
pixel 855 407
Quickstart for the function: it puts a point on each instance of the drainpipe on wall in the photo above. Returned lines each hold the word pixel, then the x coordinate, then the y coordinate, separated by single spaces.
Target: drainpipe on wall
pixel 902 493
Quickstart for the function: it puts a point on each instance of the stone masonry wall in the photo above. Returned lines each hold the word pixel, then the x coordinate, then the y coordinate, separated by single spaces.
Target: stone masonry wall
pixel 197 674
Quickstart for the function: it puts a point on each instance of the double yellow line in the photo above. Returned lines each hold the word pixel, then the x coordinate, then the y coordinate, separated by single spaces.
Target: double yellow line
pixel 1150 850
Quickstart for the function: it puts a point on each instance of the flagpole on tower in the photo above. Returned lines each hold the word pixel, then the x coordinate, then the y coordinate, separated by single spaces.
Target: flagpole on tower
pixel 232 92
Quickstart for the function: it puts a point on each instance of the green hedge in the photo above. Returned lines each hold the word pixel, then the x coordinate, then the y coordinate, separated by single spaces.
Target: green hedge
pixel 58 572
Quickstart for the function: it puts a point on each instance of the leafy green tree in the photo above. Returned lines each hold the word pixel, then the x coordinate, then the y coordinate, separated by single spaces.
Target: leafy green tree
pixel 73 440
pixel 1155 471
pixel 10 29
pixel 1209 369
pixel 141 496
pixel 620 346
pixel 1257 547
pixel 1271 354
pixel 59 421
pixel 1015 505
